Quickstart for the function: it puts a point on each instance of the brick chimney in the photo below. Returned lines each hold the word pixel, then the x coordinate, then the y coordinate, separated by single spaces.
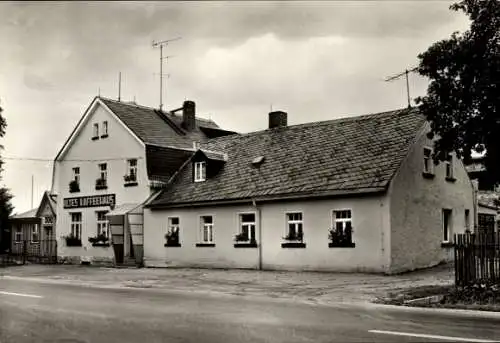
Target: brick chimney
pixel 189 115
pixel 277 119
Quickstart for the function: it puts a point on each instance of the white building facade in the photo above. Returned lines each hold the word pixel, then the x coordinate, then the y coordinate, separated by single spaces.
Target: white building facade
pixel 118 155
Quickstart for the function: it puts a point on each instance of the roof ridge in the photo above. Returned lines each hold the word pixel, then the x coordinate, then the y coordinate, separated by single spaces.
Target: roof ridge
pixel 320 122
pixel 150 108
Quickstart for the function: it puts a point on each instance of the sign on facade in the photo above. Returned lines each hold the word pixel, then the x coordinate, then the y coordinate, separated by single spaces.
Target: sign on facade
pixel 91 201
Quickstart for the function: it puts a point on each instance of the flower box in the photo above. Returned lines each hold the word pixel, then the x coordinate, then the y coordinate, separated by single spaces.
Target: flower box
pixel 100 240
pixel 72 241
pixel 74 187
pixel 101 184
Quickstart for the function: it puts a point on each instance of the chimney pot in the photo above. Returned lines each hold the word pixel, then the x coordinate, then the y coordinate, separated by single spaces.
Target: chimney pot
pixel 277 119
pixel 189 115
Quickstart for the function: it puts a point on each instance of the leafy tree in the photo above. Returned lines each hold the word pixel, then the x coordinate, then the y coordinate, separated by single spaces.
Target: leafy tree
pixel 5 197
pixel 463 97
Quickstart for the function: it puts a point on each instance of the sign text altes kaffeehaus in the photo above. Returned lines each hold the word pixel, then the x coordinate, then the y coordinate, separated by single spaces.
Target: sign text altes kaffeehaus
pixel 91 201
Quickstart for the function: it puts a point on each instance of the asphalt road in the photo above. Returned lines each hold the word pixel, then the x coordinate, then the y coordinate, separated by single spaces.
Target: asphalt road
pixel 35 312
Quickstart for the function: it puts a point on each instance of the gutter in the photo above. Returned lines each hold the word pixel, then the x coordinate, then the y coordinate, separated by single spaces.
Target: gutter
pixel 350 193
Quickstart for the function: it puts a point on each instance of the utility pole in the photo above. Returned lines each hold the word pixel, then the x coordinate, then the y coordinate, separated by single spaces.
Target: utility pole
pixel 32 184
pixel 161 44
pixel 405 73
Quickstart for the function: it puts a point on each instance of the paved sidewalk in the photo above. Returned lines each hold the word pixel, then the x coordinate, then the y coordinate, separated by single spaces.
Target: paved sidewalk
pixel 301 286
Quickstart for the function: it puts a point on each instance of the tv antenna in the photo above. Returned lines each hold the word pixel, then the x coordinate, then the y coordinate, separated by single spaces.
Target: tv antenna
pixel 161 44
pixel 405 73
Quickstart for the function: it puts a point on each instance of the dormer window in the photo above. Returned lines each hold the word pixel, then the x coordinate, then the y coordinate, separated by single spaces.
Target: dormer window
pixel 200 171
pixel 96 131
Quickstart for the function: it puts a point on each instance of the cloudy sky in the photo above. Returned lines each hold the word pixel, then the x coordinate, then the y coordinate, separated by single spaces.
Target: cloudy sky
pixel 315 60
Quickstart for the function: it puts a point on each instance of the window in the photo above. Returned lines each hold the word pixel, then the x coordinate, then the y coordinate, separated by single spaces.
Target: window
pixel 35 233
pixel 103 171
pixel 428 163
pixel 247 228
pixel 200 171
pixel 76 225
pixel 172 235
pixel 340 234
pixel 294 227
pixel 449 166
pixel 104 129
pixel 132 170
pixel 101 182
pixel 76 174
pixel 102 224
pixel 207 228
pixel 96 131
pixel 18 235
pixel 467 219
pixel 447 225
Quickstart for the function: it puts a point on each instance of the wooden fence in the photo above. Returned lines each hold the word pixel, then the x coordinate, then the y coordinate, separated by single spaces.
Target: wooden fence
pixel 477 258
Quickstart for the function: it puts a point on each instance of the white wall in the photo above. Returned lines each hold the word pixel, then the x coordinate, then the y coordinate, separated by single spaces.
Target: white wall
pixel 416 210
pixel 113 150
pixel 370 225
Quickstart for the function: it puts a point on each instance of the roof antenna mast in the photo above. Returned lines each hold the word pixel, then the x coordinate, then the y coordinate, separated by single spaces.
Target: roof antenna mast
pixel 119 86
pixel 161 44
pixel 405 73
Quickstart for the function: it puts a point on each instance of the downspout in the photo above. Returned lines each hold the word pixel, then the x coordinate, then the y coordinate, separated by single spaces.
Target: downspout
pixel 476 203
pixel 259 225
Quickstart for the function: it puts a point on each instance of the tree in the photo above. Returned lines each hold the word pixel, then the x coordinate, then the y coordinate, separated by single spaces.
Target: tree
pixel 463 97
pixel 5 197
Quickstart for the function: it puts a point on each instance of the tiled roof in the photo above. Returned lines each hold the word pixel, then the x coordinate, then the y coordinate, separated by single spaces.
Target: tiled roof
pixel 343 156
pixel 26 215
pixel 154 127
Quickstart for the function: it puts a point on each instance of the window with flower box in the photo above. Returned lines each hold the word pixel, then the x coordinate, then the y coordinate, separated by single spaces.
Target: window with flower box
pixel 102 181
pixel 172 238
pixel 102 238
pixel 340 234
pixel 246 235
pixel 74 237
pixel 294 233
pixel 131 177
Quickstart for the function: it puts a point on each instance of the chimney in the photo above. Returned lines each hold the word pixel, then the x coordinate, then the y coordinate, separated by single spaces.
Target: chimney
pixel 189 115
pixel 277 119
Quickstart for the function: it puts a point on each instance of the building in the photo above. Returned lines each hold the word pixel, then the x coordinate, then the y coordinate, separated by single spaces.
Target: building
pixel 117 156
pixel 353 194
pixel 487 194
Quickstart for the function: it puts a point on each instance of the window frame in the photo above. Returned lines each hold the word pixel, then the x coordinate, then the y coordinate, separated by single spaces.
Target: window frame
pixel 102 222
pixel 76 174
pixel 333 222
pixel 428 168
pixel 103 171
pixel 446 230
pixel 132 169
pixel 202 226
pixel 76 226
pixel 249 225
pixel 104 129
pixel 35 230
pixel 293 243
pixel 95 130
pixel 173 228
pixel 19 231
pixel 200 171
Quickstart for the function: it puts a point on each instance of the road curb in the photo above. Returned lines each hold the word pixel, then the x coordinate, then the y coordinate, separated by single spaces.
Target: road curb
pixel 427 310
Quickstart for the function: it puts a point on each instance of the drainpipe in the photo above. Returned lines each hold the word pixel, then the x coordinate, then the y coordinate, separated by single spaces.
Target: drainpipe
pixel 259 225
